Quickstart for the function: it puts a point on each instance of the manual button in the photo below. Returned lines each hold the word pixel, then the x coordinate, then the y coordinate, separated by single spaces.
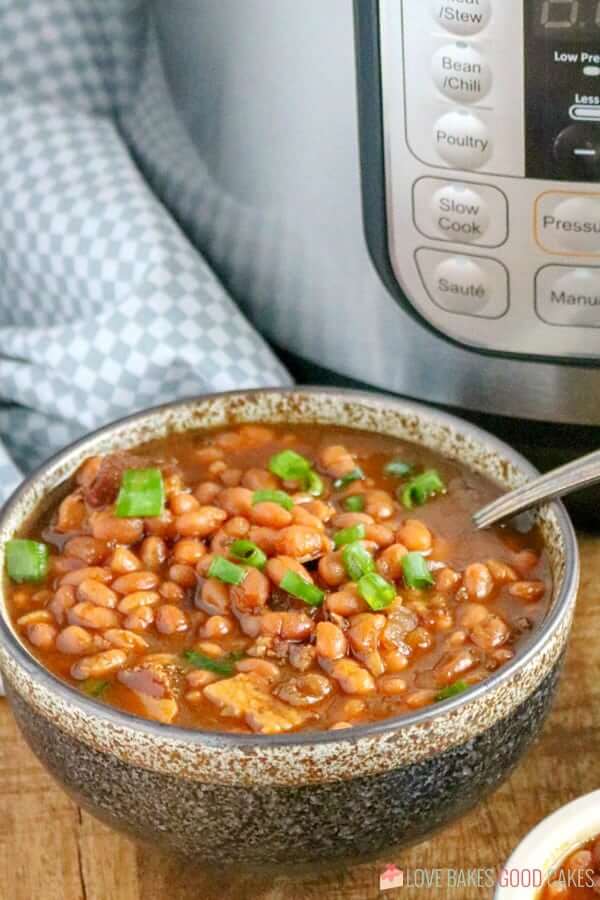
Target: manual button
pixel 569 224
pixel 465 285
pixel 568 296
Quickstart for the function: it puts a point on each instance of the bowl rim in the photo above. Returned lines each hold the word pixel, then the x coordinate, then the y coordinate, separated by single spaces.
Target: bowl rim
pixel 423 412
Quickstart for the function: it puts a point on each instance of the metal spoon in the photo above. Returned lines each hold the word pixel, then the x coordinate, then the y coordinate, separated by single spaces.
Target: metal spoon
pixel 580 473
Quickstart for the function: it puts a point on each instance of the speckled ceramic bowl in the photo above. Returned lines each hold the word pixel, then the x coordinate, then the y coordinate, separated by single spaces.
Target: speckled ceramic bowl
pixel 231 799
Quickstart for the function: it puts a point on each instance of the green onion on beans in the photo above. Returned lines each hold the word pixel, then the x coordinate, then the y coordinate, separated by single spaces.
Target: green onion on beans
pixel 267 496
pixel 348 535
pixel 355 475
pixel 357 560
pixel 416 571
pixel 396 468
pixel 142 493
pixel 26 560
pixel 226 571
pixel 314 484
pixel 289 466
pixel 420 488
pixel 223 665
pixel 303 590
pixel 249 553
pixel 453 690
pixel 94 687
pixel 376 591
pixel 355 503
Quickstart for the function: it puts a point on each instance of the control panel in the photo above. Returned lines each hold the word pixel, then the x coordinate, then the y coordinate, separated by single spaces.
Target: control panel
pixel 491 124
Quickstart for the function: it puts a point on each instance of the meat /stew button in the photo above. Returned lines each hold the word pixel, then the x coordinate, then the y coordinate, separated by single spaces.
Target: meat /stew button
pixel 466 285
pixel 569 224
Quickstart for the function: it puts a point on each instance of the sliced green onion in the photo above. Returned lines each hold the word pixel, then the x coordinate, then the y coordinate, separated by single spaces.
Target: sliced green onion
pixel 314 484
pixel 416 571
pixel 26 560
pixel 453 690
pixel 142 493
pixel 396 468
pixel 303 590
pixel 355 475
pixel 420 488
pixel 357 560
pixel 349 535
pixel 223 665
pixel 267 496
pixel 377 592
pixel 249 553
pixel 355 503
pixel 226 571
pixel 289 465
pixel 94 687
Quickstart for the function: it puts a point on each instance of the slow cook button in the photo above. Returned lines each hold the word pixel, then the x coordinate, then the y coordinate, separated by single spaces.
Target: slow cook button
pixel 569 224
pixel 466 285
pixel 461 16
pixel 461 72
pixel 566 296
pixel 462 139
pixel 460 212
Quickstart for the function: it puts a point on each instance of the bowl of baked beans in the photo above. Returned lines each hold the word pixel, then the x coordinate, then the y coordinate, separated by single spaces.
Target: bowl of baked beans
pixel 260 627
pixel 559 859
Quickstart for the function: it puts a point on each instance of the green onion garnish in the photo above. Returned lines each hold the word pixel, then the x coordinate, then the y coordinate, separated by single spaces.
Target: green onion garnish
pixel 348 535
pixel 26 560
pixel 267 496
pixel 377 592
pixel 452 690
pixel 289 465
pixel 396 468
pixel 224 665
pixel 304 590
pixel 355 475
pixel 420 488
pixel 94 687
pixel 249 553
pixel 226 571
pixel 142 493
pixel 314 484
pixel 355 503
pixel 416 572
pixel 357 560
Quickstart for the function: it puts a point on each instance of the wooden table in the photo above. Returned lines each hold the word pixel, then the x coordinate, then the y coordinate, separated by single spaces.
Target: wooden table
pixel 51 850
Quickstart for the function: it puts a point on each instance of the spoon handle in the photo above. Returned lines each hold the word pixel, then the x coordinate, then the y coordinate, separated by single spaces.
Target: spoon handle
pixel 580 473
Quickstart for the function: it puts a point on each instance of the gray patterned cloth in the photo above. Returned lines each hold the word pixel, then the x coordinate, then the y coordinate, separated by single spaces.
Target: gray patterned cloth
pixel 106 304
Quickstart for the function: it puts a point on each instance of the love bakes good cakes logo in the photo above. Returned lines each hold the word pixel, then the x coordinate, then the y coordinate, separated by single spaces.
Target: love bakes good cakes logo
pixel 393 878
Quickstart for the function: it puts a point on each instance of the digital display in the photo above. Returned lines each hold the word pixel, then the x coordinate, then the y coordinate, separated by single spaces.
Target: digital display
pixel 564 19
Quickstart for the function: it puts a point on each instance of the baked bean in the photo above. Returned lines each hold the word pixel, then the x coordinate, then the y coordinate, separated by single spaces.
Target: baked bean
pixel 478 581
pixel 99 665
pixel 379 535
pixel 348 520
pixel 188 551
pixel 200 522
pixel 302 516
pixel 213 597
pixel 419 699
pixel 490 632
pixel 345 602
pixel 216 627
pixel 184 576
pixel 264 538
pixel 172 592
pixel 415 536
pixel 124 561
pixel 419 639
pixel 447 580
pixel 217 467
pixel 389 561
pixel 136 581
pixel 331 642
pixel 332 569
pixel 525 560
pixel 501 572
pixel 136 599
pixel 63 599
pixel 153 553
pixel 319 509
pixel 291 626
pixel 139 618
pixel 259 480
pixel 88 549
pixel 277 567
pixel 391 685
pixel 452 665
pixel 126 640
pixel 60 565
pixel 270 515
pixel 379 504
pixel 221 542
pixel 199 678
pixel 530 591
pixel 261 667
pixel 351 677
pixel 209 649
pixel 237 527
pixel 71 514
pixel 41 635
pixel 337 461
pixel 304 690
pixel 88 471
pixel 183 503
pixel 207 492
pixel 252 593
pixel 365 631
pixel 471 614
pixel 207 455
pixel 395 660
pixel 74 640
pixel 85 573
pixel 236 501
pixel 161 526
pixel 231 477
pixel 169 619
pixel 92 591
pixel 299 541
pixel 88 615
pixel 107 527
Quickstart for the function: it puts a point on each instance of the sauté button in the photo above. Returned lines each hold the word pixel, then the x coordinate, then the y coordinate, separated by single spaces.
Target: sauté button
pixel 461 72
pixel 568 296
pixel 461 16
pixel 569 224
pixel 464 284
pixel 462 140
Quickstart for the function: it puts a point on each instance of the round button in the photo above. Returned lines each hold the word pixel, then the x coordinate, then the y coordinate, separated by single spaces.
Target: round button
pixel 461 16
pixel 459 213
pixel 461 73
pixel 460 285
pixel 569 297
pixel 462 140
pixel 573 224
pixel 577 152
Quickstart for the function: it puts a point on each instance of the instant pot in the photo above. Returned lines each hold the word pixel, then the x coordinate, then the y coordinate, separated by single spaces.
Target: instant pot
pixel 403 193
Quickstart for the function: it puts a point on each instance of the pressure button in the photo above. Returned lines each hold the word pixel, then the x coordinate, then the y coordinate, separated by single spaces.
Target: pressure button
pixel 461 16
pixel 467 285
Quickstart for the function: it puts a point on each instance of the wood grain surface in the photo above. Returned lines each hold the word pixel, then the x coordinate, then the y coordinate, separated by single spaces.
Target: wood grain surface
pixel 51 850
